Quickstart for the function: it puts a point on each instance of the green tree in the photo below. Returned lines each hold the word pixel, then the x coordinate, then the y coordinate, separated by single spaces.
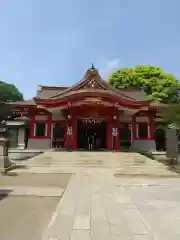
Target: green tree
pixel 9 92
pixel 5 111
pixel 159 86
pixel 172 113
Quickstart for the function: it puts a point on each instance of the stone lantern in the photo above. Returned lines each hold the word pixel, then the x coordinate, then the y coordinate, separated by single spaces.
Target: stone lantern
pixel 172 144
pixel 5 114
pixel 4 159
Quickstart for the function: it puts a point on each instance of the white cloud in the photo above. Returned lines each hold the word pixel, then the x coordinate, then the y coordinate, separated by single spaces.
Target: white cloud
pixel 109 66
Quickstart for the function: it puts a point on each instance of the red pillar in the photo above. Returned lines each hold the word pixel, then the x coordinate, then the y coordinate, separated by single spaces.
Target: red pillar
pixel 66 140
pixel 117 142
pixel 31 128
pixel 134 132
pixel 110 125
pixel 151 127
pixel 74 134
pixel 70 140
pixel 49 123
pixel 109 135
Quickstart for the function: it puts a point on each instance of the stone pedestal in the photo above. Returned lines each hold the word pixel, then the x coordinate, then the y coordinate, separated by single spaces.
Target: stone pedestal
pixel 143 146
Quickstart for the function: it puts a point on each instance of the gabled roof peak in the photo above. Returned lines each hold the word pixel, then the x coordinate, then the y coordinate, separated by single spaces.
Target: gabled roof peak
pixel 52 87
pixel 92 67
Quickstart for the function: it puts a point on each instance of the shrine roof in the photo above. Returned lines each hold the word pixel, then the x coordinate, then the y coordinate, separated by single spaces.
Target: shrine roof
pixel 157 104
pixel 29 102
pixel 49 91
pixel 90 84
pixel 137 94
pixel 91 78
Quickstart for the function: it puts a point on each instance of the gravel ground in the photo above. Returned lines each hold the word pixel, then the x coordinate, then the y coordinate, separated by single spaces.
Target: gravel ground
pixel 35 180
pixel 25 218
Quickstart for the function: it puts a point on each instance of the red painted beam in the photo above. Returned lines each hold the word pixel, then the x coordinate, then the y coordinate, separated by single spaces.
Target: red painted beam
pixel 114 101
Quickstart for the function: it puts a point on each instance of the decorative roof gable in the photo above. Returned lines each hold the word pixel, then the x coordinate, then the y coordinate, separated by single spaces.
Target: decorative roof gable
pixel 92 84
pixel 92 80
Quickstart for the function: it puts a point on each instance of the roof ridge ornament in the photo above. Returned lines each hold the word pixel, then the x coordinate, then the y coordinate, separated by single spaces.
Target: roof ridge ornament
pixel 92 67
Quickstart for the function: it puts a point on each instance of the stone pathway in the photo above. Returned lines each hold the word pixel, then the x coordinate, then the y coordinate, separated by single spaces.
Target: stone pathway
pixel 94 208
pixel 97 205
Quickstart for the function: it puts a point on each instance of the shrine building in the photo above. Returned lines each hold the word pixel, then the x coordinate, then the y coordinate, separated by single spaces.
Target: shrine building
pixel 90 115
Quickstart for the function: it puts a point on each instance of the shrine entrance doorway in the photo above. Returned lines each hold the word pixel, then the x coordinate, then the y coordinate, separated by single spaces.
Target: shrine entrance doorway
pixel 91 134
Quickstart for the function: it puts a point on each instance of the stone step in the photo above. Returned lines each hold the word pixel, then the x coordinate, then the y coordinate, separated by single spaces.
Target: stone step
pixel 94 163
pixel 118 171
pixel 152 162
pixel 106 160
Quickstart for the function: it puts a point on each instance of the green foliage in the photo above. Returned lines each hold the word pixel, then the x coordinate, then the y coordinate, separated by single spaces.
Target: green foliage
pixel 9 92
pixel 172 114
pixel 5 111
pixel 159 86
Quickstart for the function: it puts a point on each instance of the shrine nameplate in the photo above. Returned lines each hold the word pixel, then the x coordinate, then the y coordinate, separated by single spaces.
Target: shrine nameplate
pixel 91 121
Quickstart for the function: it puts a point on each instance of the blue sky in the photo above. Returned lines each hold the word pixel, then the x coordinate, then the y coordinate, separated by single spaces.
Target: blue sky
pixel 54 42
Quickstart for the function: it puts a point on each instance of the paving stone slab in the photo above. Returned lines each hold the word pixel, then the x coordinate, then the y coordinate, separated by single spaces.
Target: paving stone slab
pixel 81 223
pixel 80 235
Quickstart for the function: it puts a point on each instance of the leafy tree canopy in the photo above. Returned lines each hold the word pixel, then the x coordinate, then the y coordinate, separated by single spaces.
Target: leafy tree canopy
pixel 159 86
pixel 9 92
pixel 172 113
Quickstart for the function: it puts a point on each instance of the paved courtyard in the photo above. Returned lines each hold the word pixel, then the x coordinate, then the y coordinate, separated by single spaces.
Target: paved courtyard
pixel 109 196
pixel 23 217
pixel 27 203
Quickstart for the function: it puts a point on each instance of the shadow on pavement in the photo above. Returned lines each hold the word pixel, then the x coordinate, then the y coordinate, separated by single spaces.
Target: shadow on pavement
pixel 4 193
pixel 11 174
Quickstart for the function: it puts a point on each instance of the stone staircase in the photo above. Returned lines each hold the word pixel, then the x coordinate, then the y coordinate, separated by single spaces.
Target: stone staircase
pixel 89 159
pixel 121 163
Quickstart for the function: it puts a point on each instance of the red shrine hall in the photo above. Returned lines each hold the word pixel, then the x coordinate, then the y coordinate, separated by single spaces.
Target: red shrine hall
pixel 90 115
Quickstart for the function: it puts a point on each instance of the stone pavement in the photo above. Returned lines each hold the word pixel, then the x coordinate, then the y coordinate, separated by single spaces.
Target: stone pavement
pixel 160 206
pixel 93 207
pixel 97 205
pixel 27 203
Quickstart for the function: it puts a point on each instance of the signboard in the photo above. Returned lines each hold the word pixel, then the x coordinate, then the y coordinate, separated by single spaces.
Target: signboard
pixel 69 131
pixel 114 132
pixel 91 121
